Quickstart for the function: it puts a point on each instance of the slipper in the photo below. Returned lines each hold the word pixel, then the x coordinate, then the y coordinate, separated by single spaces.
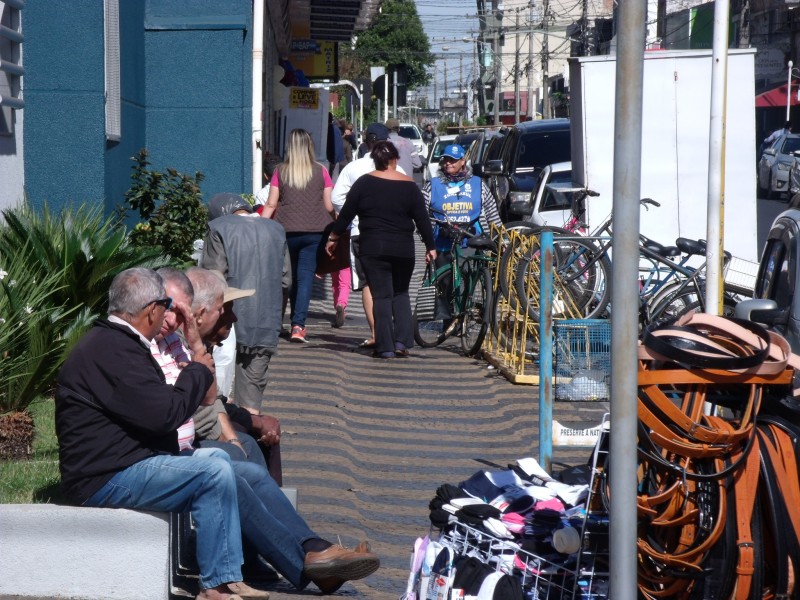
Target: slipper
pixel 367 344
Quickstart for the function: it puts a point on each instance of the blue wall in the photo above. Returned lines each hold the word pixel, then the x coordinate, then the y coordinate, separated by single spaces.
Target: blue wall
pixel 64 89
pixel 185 86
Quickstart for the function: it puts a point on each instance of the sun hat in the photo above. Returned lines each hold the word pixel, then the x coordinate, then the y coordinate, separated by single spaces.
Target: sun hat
pixel 453 151
pixel 232 293
pixel 392 123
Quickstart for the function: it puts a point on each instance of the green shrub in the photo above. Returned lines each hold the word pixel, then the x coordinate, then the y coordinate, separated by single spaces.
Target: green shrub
pixel 56 270
pixel 33 330
pixel 171 207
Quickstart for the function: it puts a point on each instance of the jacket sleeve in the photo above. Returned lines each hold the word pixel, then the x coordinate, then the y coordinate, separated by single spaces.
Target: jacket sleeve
pixel 214 256
pixel 140 397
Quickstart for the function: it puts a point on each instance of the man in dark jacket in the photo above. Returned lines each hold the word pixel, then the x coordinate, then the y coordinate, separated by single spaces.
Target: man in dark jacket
pixel 116 421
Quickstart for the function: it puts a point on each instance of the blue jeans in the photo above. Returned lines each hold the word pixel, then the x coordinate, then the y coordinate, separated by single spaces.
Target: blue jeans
pixel 250 445
pixel 270 522
pixel 303 255
pixel 206 486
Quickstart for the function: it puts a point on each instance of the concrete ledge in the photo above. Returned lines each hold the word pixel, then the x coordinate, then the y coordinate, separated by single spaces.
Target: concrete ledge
pixel 51 551
pixel 87 553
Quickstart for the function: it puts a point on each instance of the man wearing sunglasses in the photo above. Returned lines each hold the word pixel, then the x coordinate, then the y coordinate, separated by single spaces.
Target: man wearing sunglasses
pixel 116 420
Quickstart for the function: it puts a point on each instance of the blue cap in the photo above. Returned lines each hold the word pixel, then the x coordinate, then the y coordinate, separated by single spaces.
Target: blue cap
pixel 453 151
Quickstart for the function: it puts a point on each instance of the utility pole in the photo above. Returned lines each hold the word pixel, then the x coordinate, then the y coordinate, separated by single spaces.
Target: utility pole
pixel 462 95
pixel 435 76
pixel 531 108
pixel 516 74
pixel 445 79
pixel 496 67
pixel 545 60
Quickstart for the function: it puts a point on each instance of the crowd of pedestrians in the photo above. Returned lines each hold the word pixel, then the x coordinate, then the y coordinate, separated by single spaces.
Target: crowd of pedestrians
pixel 140 417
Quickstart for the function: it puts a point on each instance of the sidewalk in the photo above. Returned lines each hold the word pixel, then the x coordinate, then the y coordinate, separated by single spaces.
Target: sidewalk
pixel 368 441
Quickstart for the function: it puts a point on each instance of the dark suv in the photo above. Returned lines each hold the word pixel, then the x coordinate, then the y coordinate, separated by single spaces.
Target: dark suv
pixel 526 149
pixel 776 302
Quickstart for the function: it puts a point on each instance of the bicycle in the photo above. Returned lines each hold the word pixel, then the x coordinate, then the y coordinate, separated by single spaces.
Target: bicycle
pixel 463 290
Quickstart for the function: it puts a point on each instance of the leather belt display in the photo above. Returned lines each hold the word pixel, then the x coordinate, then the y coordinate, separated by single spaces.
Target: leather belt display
pixel 719 491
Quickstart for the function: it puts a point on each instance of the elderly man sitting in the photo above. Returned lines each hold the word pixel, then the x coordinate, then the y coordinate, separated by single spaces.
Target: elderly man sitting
pixel 116 420
pixel 269 521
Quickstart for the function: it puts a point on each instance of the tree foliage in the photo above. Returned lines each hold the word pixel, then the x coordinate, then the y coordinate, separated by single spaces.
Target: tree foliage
pixel 395 37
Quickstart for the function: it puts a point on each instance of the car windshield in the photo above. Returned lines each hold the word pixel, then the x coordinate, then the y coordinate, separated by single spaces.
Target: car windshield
pixel 790 144
pixel 438 149
pixel 543 149
pixel 409 132
pixel 555 197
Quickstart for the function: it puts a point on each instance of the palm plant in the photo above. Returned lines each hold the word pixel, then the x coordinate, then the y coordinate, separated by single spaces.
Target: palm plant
pixel 85 247
pixel 55 271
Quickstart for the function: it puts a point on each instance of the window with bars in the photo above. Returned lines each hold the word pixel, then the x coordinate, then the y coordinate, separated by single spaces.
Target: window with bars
pixel 112 76
pixel 11 70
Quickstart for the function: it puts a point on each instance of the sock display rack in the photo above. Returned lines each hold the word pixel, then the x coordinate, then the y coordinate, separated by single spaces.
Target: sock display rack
pixel 558 557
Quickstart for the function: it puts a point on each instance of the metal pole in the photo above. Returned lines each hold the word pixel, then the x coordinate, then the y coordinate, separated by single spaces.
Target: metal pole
pixel 531 109
pixel 516 75
pixel 394 93
pixel 545 62
pixel 386 96
pixel 715 208
pixel 546 351
pixel 496 67
pixel 361 109
pixel 788 77
pixel 624 324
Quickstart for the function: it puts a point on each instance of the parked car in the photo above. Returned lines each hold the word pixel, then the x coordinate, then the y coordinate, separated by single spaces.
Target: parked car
pixel 412 132
pixel 550 202
pixel 775 165
pixel 437 147
pixel 776 298
pixel 526 149
pixel 477 150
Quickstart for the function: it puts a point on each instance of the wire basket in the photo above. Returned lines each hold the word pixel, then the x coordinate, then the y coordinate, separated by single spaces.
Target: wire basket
pixel 740 276
pixel 541 578
pixel 582 363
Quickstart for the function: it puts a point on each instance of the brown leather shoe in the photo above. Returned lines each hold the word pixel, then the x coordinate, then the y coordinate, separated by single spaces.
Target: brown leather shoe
pixel 247 592
pixel 328 585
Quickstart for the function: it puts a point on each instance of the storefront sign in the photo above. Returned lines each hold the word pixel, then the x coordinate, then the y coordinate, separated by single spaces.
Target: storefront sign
pixel 304 98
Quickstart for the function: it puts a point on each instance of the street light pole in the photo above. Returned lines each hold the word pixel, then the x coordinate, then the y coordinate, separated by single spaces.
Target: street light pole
pixel 789 90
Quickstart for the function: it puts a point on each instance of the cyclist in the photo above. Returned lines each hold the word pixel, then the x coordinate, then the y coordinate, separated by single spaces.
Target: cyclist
pixel 459 195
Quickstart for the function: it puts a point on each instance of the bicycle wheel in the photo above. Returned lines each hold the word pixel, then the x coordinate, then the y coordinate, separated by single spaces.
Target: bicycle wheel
pixel 477 307
pixel 581 281
pixel 429 333
pixel 684 303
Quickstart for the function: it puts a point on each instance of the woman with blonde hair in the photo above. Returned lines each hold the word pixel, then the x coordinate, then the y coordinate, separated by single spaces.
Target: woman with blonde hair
pixel 300 199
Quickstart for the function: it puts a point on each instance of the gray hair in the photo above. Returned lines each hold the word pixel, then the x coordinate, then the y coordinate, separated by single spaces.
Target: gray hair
pixel 178 278
pixel 133 289
pixel 208 286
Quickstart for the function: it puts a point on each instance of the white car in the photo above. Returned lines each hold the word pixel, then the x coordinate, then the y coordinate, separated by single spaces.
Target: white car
pixel 412 132
pixel 437 147
pixel 550 202
pixel 775 165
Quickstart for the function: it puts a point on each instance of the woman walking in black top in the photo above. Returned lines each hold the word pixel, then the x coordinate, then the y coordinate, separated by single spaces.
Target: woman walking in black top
pixel 388 204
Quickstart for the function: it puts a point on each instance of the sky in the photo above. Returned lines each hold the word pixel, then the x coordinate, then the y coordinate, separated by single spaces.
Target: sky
pixel 447 22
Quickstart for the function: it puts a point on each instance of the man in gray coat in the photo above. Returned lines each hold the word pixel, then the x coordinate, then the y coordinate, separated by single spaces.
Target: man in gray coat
pixel 251 253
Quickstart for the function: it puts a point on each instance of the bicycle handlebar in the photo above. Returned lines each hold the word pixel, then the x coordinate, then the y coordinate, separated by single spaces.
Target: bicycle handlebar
pixel 462 229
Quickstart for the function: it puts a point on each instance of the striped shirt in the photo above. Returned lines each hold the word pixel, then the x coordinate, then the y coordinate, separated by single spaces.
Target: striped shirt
pixel 169 354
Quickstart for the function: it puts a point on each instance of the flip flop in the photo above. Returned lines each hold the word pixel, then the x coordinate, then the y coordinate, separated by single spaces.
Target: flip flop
pixel 367 344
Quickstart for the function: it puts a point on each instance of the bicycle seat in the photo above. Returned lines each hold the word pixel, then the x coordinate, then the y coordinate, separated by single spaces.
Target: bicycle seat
pixel 481 242
pixel 665 251
pixel 690 247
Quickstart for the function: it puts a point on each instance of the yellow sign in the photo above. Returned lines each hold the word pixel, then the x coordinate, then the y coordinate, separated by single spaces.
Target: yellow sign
pixel 303 98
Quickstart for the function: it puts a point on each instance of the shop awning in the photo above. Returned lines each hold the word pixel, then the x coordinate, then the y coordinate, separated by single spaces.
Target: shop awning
pixel 776 97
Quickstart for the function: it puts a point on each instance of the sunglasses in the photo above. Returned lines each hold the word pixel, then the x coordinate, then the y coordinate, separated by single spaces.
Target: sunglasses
pixel 165 302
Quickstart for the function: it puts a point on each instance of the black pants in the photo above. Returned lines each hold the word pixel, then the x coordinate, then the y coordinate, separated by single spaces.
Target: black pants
pixel 388 278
